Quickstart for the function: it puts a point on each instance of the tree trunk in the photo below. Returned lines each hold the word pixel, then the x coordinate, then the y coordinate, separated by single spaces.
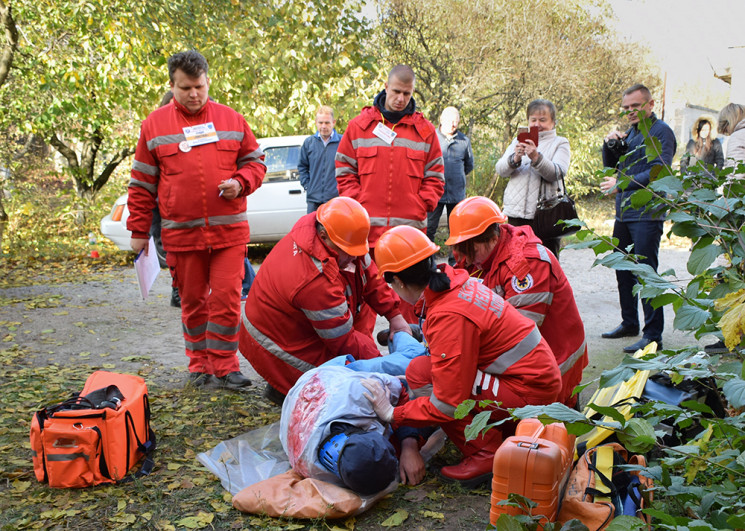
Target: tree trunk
pixel 83 169
pixel 8 49
pixel 3 215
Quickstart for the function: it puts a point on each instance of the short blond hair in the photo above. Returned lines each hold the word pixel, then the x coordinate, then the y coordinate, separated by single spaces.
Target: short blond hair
pixel 729 117
pixel 325 109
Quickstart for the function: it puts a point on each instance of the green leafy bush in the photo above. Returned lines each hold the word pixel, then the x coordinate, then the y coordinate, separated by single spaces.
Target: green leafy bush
pixel 700 483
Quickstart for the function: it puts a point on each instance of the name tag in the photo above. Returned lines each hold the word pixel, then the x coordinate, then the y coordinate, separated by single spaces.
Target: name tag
pixel 385 133
pixel 196 135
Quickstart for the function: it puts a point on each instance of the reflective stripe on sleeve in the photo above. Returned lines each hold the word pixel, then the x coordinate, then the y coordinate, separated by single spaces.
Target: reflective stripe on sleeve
pixel 344 171
pixel 424 390
pixel 328 313
pixel 274 349
pixel 254 156
pixel 447 409
pixel 338 331
pixel 432 162
pixel 526 299
pixel 536 317
pixel 439 175
pixel 572 360
pixel 516 353
pixel 145 168
pixel 346 159
pixel 150 187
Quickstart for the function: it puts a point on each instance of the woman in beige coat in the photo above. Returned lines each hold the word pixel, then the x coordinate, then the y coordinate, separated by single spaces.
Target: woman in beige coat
pixel 534 171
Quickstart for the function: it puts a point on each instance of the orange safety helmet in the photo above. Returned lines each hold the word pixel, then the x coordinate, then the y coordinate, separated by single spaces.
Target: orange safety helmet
pixel 347 224
pixel 471 217
pixel 402 247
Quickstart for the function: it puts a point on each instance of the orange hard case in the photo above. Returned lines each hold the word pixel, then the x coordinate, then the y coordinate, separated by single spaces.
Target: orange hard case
pixel 534 463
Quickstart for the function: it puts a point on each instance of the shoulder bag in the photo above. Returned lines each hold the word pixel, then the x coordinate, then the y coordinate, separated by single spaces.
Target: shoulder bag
pixel 550 211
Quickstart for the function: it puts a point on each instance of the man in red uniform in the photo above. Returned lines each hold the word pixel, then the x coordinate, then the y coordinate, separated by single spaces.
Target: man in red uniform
pixel 303 306
pixel 200 160
pixel 481 349
pixel 390 160
pixel 513 262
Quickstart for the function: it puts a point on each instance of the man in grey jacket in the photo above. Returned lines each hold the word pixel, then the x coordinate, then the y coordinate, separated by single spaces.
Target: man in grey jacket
pixel 456 150
pixel 316 165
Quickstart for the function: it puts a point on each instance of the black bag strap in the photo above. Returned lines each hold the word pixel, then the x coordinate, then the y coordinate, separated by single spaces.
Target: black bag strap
pixel 73 403
pixel 560 190
pixel 147 448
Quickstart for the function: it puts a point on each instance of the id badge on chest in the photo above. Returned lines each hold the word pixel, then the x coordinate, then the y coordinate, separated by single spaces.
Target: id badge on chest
pixel 385 133
pixel 196 135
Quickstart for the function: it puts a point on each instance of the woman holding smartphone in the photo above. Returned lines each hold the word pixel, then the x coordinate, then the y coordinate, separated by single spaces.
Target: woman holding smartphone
pixel 534 171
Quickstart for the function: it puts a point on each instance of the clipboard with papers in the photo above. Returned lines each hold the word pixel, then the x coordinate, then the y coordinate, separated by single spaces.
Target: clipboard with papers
pixel 147 268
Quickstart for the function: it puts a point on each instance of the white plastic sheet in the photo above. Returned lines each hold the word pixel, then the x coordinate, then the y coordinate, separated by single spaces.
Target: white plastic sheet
pixel 247 459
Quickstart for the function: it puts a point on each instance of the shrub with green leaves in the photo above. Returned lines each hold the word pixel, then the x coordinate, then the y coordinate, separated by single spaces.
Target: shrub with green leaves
pixel 699 483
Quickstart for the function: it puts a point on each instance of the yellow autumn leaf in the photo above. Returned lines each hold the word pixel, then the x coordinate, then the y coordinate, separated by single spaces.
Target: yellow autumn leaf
pixel 205 517
pixel 396 519
pixel 732 322
pixel 21 486
pixel 432 514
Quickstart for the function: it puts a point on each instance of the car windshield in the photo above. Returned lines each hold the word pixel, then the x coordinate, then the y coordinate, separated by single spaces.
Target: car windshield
pixel 281 163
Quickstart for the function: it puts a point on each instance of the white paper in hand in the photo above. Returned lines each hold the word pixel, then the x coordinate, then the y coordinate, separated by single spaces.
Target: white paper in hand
pixel 147 269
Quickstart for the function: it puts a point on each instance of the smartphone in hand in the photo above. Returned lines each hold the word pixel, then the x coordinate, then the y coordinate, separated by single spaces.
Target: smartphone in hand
pixel 525 133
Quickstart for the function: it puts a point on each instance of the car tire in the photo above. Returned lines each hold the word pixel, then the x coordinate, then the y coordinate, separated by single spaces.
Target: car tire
pixel 160 251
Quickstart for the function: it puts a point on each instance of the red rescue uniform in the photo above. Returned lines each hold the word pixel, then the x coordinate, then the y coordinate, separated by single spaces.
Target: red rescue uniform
pixel 530 278
pixel 397 183
pixel 482 349
pixel 204 234
pixel 302 311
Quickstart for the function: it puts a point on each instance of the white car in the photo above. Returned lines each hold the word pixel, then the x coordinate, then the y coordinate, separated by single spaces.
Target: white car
pixel 272 210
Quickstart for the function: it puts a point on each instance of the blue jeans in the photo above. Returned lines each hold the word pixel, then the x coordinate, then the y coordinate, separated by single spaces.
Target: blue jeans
pixel 645 238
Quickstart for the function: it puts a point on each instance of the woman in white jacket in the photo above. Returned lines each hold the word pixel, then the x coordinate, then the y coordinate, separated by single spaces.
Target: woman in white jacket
pixel 534 171
pixel 732 123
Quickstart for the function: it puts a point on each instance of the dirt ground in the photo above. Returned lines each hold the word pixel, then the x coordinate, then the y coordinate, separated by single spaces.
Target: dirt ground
pixel 102 321
pixel 104 318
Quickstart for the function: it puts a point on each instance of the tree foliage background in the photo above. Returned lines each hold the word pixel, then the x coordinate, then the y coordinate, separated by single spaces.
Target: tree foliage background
pixel 87 72
pixel 490 58
pixel 82 74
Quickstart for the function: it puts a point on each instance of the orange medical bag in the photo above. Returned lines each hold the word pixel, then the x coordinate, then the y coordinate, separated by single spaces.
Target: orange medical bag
pixel 95 437
pixel 535 463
